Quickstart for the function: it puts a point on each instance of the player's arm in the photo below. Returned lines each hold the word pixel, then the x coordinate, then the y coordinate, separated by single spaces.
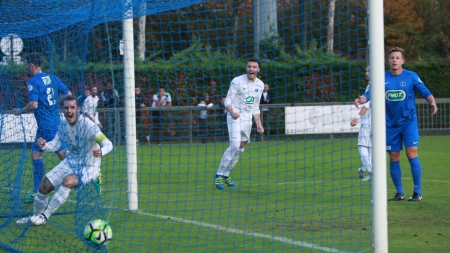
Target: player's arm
pixel 432 102
pixel 32 105
pixel 425 93
pixel 259 126
pixel 105 145
pixel 361 100
pixel 232 91
pixel 361 113
pixel 50 146
pixel 33 96
pixel 168 101
pixel 257 114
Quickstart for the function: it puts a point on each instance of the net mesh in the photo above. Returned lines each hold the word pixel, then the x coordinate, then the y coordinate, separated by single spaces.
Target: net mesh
pixel 297 184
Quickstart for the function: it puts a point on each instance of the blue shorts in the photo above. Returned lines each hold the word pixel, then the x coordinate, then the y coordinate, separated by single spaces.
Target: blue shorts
pixel 407 133
pixel 47 135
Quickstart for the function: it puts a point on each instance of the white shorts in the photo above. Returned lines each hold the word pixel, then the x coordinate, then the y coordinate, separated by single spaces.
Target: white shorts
pixel 63 169
pixel 365 137
pixel 239 129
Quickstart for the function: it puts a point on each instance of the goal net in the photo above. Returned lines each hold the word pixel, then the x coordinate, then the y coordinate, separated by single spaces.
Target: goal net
pixel 298 187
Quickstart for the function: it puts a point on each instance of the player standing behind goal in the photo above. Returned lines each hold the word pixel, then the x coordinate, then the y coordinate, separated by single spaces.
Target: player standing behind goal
pixel 365 137
pixel 43 90
pixel 241 102
pixel 86 143
pixel 401 86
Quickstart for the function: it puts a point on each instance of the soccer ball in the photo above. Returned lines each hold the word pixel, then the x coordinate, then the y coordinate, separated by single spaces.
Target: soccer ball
pixel 98 232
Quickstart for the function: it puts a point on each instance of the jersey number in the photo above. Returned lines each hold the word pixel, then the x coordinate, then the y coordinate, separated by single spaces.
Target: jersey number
pixel 50 95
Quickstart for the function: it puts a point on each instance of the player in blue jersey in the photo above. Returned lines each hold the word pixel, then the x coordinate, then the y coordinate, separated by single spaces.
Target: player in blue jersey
pixel 401 86
pixel 43 90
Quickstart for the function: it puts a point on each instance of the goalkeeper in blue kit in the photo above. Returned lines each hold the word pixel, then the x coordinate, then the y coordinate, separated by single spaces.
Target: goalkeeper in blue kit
pixel 401 86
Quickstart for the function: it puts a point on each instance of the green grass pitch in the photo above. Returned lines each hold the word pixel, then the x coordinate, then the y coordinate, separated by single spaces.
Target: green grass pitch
pixel 302 196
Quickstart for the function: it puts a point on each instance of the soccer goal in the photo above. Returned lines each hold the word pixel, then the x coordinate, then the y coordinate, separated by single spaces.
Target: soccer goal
pixel 161 71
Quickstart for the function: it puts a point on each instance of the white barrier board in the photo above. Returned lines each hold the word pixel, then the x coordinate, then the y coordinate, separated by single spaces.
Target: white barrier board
pixel 320 119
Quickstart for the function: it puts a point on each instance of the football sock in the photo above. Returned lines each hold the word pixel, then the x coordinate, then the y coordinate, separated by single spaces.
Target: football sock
pixel 233 161
pixel 366 158
pixel 58 199
pixel 396 175
pixel 38 173
pixel 227 157
pixel 40 203
pixel 416 171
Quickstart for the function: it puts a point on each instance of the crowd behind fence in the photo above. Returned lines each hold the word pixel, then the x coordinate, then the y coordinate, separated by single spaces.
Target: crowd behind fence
pixel 181 124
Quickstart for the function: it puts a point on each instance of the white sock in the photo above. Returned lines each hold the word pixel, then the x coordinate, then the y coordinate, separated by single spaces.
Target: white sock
pixel 40 203
pixel 60 198
pixel 233 161
pixel 366 158
pixel 227 157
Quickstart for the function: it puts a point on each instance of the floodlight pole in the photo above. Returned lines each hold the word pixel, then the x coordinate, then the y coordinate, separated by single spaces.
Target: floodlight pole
pixel 130 108
pixel 379 185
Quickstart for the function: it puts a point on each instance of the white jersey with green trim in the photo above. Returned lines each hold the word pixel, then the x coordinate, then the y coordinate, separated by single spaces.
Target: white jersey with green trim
pixel 80 139
pixel 244 96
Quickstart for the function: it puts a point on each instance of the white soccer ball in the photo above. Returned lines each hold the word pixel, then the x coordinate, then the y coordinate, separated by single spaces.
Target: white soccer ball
pixel 98 232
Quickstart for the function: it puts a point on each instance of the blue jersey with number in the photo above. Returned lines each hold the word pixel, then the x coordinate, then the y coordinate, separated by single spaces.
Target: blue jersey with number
pixel 400 96
pixel 44 89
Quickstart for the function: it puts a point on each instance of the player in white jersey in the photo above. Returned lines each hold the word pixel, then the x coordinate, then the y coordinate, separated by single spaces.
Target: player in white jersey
pixel 86 145
pixel 89 107
pixel 365 137
pixel 242 102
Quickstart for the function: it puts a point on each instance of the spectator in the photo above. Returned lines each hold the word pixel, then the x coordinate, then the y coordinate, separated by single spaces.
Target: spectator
pixel 223 120
pixel 139 101
pixel 162 99
pixel 266 99
pixel 110 98
pixel 89 106
pixel 83 97
pixel 202 121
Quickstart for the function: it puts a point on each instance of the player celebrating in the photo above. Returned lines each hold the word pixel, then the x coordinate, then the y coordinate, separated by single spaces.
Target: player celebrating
pixel 89 106
pixel 401 86
pixel 241 102
pixel 86 144
pixel 365 137
pixel 43 90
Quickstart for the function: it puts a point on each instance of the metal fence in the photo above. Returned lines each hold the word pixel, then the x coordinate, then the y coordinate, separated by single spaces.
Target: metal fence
pixel 181 124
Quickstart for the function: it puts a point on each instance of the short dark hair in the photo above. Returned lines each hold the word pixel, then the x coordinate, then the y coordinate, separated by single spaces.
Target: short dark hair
pixel 70 98
pixel 255 60
pixel 34 58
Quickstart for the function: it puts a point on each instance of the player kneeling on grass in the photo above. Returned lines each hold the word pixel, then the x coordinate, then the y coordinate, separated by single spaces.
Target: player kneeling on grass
pixel 86 145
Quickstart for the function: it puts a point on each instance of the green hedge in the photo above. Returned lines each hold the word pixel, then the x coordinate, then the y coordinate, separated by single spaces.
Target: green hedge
pixel 306 76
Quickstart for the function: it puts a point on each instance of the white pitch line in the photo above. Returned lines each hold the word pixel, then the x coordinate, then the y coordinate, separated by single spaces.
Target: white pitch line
pixel 241 232
pixel 222 228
